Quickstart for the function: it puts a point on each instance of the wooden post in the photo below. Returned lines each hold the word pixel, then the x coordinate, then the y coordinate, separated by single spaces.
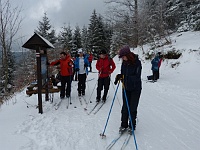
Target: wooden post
pixel 39 81
pixel 47 82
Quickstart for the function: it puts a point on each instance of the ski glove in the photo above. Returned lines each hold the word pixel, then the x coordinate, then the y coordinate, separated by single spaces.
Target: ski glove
pixel 117 78
pixel 85 65
pixel 77 69
pixel 70 63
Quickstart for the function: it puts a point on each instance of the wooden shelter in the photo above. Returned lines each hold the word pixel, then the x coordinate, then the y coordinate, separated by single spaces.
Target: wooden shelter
pixel 40 45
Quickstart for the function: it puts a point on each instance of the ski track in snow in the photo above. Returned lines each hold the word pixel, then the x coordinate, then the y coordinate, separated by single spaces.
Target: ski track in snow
pixel 162 112
pixel 169 109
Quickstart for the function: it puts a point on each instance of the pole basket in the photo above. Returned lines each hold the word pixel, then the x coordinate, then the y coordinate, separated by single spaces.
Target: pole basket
pixel 102 135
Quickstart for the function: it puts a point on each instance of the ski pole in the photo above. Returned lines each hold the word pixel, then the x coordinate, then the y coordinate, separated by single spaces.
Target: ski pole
pixel 70 100
pixel 102 134
pixel 136 147
pixel 117 96
pixel 94 88
pixel 90 97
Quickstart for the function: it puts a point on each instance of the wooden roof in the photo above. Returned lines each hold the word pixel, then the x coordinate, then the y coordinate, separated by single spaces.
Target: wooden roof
pixel 37 42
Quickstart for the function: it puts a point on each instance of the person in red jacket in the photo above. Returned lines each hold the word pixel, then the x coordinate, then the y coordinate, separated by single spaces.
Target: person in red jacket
pixel 66 72
pixel 105 66
pixel 90 58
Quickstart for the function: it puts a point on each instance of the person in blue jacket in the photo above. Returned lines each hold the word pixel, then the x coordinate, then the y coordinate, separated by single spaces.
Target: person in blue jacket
pixel 131 78
pixel 81 66
pixel 155 67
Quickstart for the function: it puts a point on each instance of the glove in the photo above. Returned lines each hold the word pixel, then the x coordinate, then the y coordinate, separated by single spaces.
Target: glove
pixel 48 63
pixel 85 65
pixel 69 64
pixel 77 69
pixel 117 78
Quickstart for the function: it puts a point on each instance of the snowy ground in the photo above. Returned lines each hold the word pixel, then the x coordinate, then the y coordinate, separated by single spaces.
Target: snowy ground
pixel 168 113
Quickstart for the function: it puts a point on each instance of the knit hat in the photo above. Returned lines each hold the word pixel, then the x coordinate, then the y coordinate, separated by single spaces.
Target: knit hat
pixel 124 51
pixel 80 50
pixel 102 52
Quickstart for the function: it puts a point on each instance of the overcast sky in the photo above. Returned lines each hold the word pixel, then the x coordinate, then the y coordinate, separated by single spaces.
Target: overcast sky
pixel 73 12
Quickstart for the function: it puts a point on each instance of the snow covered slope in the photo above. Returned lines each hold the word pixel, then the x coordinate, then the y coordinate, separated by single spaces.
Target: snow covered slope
pixel 168 113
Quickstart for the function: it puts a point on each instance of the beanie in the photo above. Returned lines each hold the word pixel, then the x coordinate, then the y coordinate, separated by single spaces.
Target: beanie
pixel 102 52
pixel 124 51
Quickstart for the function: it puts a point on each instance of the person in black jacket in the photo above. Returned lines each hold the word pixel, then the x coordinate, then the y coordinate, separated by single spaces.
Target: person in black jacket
pixel 131 79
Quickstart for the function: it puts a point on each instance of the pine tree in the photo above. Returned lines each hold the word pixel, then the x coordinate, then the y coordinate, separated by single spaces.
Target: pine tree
pixel 97 36
pixel 108 32
pixel 65 38
pixel 100 35
pixel 91 34
pixel 45 31
pixel 77 38
pixel 52 36
pixel 84 39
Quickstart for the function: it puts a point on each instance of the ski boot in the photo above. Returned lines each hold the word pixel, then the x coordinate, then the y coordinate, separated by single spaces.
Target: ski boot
pixel 122 130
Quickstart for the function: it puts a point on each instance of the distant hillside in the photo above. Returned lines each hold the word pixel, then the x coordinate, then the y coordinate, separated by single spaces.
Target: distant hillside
pixel 19 56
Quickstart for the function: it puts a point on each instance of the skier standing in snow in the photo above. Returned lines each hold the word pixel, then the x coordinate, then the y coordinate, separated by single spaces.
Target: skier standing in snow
pixel 131 78
pixel 66 71
pixel 81 63
pixel 154 68
pixel 105 66
pixel 90 58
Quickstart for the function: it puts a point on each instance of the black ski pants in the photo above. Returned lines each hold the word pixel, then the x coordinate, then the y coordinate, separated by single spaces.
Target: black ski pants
pixel 81 83
pixel 65 91
pixel 90 66
pixel 155 75
pixel 103 83
pixel 133 101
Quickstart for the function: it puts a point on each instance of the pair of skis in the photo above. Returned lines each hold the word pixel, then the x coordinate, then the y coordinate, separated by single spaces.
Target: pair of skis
pixel 96 107
pixel 94 110
pixel 57 105
pixel 80 100
pixel 151 81
pixel 114 141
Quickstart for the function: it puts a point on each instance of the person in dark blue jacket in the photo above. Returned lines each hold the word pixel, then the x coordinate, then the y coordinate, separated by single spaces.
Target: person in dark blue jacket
pixel 131 78
pixel 154 68
pixel 81 66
